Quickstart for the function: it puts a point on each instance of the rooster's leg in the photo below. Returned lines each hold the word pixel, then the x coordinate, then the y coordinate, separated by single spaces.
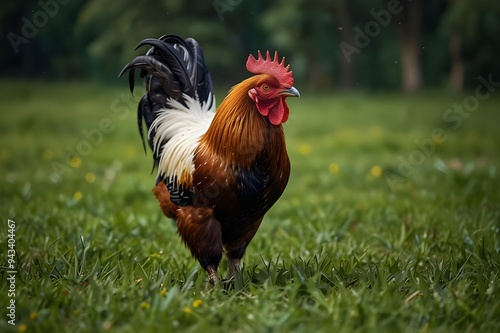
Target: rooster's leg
pixel 234 256
pixel 236 249
pixel 234 263
pixel 213 277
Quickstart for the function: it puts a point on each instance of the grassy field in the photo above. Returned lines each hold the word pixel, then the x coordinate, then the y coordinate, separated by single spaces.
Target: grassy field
pixel 390 222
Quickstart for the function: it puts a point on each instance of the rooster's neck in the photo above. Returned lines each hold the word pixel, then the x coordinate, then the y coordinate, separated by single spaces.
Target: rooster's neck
pixel 239 133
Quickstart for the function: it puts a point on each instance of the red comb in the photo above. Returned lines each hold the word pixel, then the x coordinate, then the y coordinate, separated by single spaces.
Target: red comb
pixel 272 67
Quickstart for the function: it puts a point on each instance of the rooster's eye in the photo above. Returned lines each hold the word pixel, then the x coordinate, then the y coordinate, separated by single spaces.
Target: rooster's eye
pixel 265 87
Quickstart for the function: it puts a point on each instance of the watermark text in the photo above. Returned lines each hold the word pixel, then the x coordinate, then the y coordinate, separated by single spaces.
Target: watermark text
pixel 11 272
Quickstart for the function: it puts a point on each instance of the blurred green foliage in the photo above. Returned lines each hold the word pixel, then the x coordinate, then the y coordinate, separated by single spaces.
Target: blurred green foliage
pixel 76 39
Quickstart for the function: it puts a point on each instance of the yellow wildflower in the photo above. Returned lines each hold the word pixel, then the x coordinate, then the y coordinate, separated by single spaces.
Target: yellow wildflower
pixel 90 177
pixel 187 310
pixel 439 139
pixel 145 305
pixel 22 328
pixel 78 196
pixel 305 149
pixel 75 162
pixel 197 303
pixel 163 291
pixel 34 315
pixel 334 168
pixel 376 171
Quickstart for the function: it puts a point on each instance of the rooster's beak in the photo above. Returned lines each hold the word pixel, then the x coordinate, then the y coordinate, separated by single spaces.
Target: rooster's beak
pixel 291 92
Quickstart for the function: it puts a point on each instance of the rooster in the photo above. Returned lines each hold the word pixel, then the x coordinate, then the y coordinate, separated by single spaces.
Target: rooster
pixel 219 170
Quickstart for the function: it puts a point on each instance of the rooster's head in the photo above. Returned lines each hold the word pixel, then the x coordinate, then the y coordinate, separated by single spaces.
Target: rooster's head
pixel 273 84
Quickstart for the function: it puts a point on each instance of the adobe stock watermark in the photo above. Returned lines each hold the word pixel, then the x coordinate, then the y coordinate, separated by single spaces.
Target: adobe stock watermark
pixel 372 29
pixel 11 272
pixel 454 116
pixel 32 25
pixel 222 6
pixel 120 108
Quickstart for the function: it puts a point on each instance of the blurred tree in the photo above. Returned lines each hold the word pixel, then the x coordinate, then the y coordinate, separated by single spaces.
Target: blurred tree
pixel 345 35
pixel 409 33
pixel 473 29
pixel 457 71
pixel 305 30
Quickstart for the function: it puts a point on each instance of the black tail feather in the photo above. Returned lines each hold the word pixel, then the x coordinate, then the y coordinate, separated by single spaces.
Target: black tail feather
pixel 142 108
pixel 171 68
pixel 178 64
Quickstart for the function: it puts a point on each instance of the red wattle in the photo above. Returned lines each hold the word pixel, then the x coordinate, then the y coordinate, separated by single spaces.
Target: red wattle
pixel 276 110
pixel 276 115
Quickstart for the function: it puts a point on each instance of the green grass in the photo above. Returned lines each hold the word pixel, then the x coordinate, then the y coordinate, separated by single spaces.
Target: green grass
pixel 341 251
